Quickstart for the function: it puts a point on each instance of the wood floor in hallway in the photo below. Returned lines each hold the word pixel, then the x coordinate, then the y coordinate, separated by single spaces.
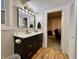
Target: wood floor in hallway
pixel 54 43
pixel 49 53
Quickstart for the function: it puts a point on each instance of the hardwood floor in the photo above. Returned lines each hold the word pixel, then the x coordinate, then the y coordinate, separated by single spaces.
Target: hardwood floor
pixel 53 51
pixel 49 53
pixel 54 43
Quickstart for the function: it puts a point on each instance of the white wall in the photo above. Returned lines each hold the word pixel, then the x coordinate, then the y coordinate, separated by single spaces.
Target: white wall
pixel 39 18
pixel 72 31
pixel 7 45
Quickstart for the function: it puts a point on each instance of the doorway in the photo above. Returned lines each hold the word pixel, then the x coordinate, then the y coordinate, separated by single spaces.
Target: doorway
pixel 54 29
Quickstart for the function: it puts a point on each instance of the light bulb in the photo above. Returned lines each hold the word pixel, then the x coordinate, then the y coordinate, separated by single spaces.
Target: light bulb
pixel 32 13
pixel 26 10
pixel 29 13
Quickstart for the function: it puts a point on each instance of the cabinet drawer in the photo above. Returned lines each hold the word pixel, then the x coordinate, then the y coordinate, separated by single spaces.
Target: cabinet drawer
pixel 28 44
pixel 28 48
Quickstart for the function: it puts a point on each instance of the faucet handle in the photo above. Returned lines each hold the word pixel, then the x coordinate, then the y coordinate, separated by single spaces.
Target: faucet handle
pixel 26 31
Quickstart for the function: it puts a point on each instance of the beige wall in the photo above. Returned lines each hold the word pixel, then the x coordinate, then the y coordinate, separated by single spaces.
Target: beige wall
pixel 16 3
pixel 7 45
pixel 7 40
pixel 54 23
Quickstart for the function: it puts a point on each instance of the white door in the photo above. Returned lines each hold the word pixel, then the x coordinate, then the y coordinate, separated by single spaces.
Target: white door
pixel 72 32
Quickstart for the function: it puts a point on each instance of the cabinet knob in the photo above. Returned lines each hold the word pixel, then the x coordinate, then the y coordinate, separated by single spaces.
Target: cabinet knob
pixel 18 41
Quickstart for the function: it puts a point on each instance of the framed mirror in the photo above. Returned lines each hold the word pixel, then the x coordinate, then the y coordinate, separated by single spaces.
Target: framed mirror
pixel 24 19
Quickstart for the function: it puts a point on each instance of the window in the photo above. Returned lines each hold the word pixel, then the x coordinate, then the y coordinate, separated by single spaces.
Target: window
pixel 2 17
pixel 2 11
pixel 2 4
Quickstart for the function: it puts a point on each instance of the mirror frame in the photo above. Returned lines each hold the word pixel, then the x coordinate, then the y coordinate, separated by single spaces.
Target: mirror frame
pixel 27 19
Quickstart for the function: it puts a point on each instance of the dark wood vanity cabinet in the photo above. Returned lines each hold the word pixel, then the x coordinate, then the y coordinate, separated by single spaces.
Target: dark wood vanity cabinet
pixel 28 46
pixel 37 42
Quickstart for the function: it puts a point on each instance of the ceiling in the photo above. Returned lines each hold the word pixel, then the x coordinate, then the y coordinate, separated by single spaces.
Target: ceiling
pixel 42 5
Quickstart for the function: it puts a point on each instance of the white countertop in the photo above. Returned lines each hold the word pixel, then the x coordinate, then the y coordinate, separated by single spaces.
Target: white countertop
pixel 24 35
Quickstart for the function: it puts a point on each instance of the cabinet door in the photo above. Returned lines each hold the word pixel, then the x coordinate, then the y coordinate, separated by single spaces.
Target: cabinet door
pixel 29 55
pixel 38 41
pixel 28 47
pixel 18 48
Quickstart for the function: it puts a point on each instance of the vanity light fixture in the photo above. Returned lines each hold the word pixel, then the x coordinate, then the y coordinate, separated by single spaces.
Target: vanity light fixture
pixel 26 10
pixel 26 13
pixel 24 1
pixel 29 13
pixel 32 13
pixel 29 10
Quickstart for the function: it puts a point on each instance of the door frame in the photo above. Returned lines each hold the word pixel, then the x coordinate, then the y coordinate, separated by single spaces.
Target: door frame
pixel 65 19
pixel 61 23
pixel 55 10
pixel 45 25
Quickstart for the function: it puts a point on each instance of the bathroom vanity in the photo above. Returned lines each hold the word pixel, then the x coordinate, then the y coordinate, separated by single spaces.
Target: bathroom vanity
pixel 26 45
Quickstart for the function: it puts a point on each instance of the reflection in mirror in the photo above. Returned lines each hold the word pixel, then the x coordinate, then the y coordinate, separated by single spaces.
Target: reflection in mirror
pixel 25 19
pixel 31 21
pixel 22 18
